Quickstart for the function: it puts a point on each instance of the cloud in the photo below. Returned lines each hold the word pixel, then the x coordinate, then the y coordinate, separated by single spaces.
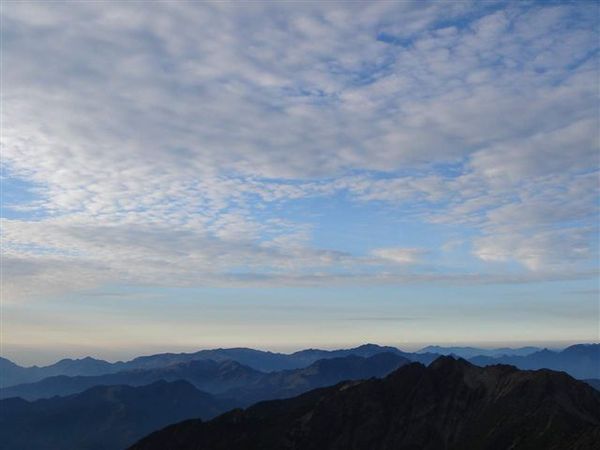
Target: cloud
pixel 398 255
pixel 557 248
pixel 157 137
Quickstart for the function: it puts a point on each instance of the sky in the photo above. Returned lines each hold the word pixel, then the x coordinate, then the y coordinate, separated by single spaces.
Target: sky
pixel 186 175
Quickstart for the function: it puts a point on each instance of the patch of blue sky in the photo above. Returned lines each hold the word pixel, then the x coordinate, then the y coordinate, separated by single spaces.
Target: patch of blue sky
pixel 41 250
pixel 589 56
pixel 398 37
pixel 401 41
pixel 340 222
pixel 470 16
pixel 20 199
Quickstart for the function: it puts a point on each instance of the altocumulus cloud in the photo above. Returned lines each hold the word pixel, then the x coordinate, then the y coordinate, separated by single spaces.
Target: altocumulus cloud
pixel 154 137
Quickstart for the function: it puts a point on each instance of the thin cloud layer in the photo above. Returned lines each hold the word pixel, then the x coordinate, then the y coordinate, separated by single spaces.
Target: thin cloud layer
pixel 165 144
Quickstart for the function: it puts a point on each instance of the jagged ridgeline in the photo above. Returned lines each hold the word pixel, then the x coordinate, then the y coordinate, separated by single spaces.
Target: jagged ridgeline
pixel 450 405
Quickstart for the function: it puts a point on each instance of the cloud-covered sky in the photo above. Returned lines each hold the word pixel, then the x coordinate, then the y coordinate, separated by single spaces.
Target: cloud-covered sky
pixel 194 151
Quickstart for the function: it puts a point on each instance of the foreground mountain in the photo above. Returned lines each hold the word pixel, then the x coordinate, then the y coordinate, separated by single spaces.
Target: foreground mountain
pixel 581 361
pixel 325 372
pixel 450 405
pixel 264 361
pixel 206 375
pixel 101 418
pixel 470 352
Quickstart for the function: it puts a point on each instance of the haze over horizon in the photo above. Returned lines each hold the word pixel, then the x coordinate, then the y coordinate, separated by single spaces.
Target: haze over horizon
pixel 183 175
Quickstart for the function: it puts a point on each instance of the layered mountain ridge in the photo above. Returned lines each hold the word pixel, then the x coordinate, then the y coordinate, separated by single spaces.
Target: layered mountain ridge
pixel 263 361
pixel 449 405
pixel 225 378
pixel 581 360
pixel 223 384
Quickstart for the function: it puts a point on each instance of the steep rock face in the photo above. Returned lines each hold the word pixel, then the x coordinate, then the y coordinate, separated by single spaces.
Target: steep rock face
pixel 101 418
pixel 451 405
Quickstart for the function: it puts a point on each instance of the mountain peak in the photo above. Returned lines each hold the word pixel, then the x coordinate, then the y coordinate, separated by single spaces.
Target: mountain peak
pixel 450 363
pixel 369 346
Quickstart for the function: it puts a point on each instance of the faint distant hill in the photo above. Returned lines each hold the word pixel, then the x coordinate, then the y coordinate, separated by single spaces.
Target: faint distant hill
pixel 224 378
pixel 263 361
pixel 470 352
pixel 580 361
pixel 450 405
pixel 101 418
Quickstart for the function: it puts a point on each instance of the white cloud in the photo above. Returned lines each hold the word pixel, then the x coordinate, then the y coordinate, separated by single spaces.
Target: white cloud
pixel 156 135
pixel 399 255
pixel 542 250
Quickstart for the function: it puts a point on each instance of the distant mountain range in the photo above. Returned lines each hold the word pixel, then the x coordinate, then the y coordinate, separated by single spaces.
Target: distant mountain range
pixel 470 352
pixel 581 361
pixel 13 374
pixel 225 378
pixel 123 414
pixel 104 417
pixel 450 405
pixel 206 375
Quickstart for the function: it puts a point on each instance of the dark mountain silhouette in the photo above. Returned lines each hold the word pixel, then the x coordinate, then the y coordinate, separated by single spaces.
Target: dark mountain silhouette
pixel 450 405
pixel 470 352
pixel 101 418
pixel 206 375
pixel 325 372
pixel 580 361
pixel 264 361
pixel 593 382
